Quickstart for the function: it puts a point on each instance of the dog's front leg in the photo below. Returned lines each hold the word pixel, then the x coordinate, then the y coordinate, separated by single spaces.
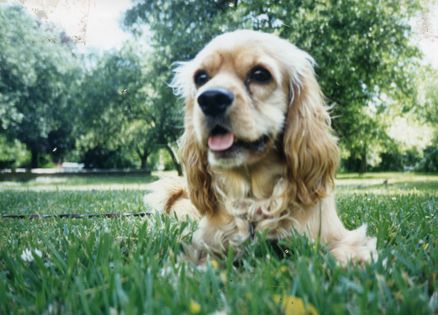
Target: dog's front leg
pixel 323 221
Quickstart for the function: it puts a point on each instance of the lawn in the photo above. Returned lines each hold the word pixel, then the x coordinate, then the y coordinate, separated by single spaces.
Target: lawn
pixel 133 265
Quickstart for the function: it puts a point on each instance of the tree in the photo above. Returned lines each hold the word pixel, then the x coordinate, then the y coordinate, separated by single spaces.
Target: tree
pixel 38 79
pixel 427 109
pixel 427 103
pixel 118 117
pixel 12 153
pixel 362 49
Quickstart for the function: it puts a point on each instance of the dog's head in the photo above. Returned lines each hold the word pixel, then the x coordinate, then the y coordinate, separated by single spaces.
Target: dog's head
pixel 248 93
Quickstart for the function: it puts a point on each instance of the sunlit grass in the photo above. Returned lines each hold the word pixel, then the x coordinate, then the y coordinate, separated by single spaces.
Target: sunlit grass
pixel 79 182
pixel 387 183
pixel 134 266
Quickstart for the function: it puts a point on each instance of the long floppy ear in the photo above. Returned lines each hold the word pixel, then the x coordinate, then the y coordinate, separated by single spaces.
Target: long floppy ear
pixel 199 180
pixel 193 158
pixel 310 147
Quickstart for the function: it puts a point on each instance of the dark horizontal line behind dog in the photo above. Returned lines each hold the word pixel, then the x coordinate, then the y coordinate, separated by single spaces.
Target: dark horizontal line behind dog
pixel 75 215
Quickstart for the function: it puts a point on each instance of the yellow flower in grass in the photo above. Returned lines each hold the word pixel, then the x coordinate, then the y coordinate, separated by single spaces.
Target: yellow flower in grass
pixel 292 305
pixel 223 277
pixel 214 264
pixel 284 268
pixel 194 307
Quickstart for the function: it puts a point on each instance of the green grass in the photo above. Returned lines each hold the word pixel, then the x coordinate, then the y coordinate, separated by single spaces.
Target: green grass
pixel 133 266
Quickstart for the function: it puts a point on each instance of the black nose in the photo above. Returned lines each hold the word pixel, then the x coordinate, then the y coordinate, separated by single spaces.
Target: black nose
pixel 215 101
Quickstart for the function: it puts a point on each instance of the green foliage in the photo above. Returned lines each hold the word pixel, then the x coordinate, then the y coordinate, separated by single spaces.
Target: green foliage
pixel 38 77
pixel 112 96
pixel 122 112
pixel 394 159
pixel 429 163
pixel 103 158
pixel 427 102
pixel 133 266
pixel 12 153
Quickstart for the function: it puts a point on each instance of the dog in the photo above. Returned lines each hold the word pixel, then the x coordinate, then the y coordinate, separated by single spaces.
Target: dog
pixel 258 149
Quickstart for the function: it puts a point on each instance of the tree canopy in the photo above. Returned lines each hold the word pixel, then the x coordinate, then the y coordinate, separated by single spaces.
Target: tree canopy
pixel 39 75
pixel 116 109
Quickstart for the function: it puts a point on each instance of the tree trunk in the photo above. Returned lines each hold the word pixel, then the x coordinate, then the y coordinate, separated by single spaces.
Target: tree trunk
pixel 363 161
pixel 144 162
pixel 35 157
pixel 143 159
pixel 174 160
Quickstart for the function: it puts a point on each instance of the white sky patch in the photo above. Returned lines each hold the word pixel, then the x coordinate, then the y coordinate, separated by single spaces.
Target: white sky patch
pixel 104 30
pixel 410 133
pixel 90 23
pixel 425 27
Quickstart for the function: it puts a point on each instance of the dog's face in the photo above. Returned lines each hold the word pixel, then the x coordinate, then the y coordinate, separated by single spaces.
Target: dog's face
pixel 247 94
pixel 239 89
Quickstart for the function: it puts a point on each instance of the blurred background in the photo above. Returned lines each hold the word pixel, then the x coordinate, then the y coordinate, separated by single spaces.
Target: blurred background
pixel 85 84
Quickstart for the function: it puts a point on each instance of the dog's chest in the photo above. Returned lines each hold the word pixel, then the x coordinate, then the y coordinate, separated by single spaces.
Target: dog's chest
pixel 256 183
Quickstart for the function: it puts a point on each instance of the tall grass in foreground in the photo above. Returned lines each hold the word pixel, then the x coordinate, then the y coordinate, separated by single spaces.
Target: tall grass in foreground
pixel 132 265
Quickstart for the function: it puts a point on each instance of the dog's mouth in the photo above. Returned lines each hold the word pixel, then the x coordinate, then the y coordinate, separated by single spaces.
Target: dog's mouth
pixel 221 140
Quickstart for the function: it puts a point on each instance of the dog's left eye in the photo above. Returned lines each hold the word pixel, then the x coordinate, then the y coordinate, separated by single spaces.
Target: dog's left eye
pixel 201 77
pixel 260 74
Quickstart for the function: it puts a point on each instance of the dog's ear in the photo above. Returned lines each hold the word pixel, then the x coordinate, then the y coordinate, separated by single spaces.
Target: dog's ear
pixel 194 160
pixel 310 147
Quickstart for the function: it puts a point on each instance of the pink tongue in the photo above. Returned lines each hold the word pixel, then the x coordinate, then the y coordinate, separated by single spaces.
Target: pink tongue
pixel 221 142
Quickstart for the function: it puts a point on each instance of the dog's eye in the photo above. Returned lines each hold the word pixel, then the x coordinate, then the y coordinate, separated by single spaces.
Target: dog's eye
pixel 259 74
pixel 201 77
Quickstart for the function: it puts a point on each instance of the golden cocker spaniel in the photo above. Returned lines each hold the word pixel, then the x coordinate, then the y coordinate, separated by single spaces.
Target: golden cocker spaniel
pixel 258 150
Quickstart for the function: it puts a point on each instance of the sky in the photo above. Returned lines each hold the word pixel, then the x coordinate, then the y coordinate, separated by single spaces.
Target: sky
pixel 426 34
pixel 92 24
pixel 104 29
pixel 96 23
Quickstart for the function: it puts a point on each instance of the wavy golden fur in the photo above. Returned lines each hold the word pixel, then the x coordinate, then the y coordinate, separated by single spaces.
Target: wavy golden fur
pixel 278 174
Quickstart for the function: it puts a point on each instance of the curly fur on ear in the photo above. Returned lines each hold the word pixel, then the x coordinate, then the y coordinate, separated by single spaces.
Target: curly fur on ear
pixel 195 164
pixel 310 148
pixel 193 158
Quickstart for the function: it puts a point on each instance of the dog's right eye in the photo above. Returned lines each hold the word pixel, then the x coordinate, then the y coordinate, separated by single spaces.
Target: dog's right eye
pixel 260 75
pixel 201 77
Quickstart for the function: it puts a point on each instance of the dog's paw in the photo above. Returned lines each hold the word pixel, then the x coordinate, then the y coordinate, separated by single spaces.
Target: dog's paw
pixel 356 247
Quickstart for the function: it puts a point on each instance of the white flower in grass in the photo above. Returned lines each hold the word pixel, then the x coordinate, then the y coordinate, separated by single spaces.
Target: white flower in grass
pixel 28 255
